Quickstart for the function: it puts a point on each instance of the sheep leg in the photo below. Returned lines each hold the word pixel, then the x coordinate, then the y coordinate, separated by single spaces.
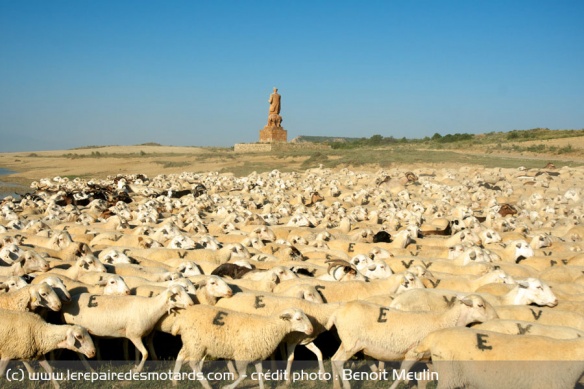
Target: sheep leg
pixel 196 366
pixel 258 367
pixel 85 363
pixel 289 359
pixel 150 345
pixel 405 366
pixel 45 365
pixel 231 368
pixel 137 342
pixel 242 369
pixel 180 360
pixel 3 364
pixel 337 362
pixel 312 347
pixel 28 367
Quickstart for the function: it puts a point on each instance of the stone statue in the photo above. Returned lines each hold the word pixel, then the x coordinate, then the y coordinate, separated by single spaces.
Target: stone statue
pixel 274 132
pixel 274 118
pixel 275 102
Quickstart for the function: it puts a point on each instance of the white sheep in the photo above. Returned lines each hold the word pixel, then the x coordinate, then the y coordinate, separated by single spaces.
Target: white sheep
pixel 31 297
pixel 28 262
pixel 84 264
pixel 521 327
pixel 223 255
pixel 333 291
pixel 25 336
pixel 529 291
pixel 268 304
pixel 108 284
pixel 541 315
pixel 465 357
pixel 12 283
pixel 389 334
pixel 243 338
pixel 467 284
pixel 131 317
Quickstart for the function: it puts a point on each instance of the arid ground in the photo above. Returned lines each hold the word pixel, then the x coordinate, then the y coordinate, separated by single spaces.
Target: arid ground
pixel 99 162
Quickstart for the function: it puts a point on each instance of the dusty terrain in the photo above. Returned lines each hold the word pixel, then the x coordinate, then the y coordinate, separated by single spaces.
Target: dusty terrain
pixel 99 162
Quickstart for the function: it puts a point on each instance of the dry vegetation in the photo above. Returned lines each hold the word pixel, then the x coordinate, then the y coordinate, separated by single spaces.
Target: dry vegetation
pixel 525 148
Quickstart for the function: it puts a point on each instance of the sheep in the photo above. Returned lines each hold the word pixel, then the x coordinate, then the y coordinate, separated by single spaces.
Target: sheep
pixel 131 317
pixel 268 304
pixel 282 272
pixel 529 291
pixel 241 337
pixel 69 253
pixel 109 284
pixel 26 336
pixel 58 286
pixel 149 273
pixel 231 270
pixel 341 270
pixel 333 291
pixel 387 334
pixel 57 241
pixel 223 255
pixel 28 262
pixel 458 238
pixel 521 327
pixel 210 292
pixel 10 253
pixel 514 251
pixel 12 283
pixel 85 264
pixel 500 360
pixel 541 315
pixel 31 297
pixel 464 284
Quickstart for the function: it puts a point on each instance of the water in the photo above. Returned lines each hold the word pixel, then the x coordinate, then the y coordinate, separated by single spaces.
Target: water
pixel 8 188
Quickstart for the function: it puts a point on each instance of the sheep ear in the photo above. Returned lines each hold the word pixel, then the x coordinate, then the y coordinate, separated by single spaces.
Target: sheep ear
pixel 3 286
pixel 71 338
pixel 285 316
pixel 101 282
pixel 523 284
pixel 34 295
pixel 466 302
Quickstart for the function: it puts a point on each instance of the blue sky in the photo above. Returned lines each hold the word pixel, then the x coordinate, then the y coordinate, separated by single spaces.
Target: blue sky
pixel 77 73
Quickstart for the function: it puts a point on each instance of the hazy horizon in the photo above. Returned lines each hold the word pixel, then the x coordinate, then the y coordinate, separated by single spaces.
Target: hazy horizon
pixel 191 73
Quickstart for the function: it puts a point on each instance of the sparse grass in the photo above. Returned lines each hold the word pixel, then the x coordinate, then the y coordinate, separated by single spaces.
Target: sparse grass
pixel 315 159
pixel 169 164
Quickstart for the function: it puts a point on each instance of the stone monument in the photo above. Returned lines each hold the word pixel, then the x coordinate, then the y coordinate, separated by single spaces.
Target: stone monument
pixel 274 132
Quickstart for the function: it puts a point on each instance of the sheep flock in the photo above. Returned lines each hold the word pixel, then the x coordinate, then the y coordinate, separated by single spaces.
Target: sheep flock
pixel 470 277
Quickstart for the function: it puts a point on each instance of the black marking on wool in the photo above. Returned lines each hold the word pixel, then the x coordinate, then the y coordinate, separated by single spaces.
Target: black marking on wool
pixel 259 302
pixel 92 303
pixel 523 330
pixel 382 315
pixel 434 284
pixel 537 315
pixel 217 320
pixel 482 343
pixel 449 302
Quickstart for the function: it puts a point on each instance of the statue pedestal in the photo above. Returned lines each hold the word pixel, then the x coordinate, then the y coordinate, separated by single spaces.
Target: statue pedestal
pixel 273 134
